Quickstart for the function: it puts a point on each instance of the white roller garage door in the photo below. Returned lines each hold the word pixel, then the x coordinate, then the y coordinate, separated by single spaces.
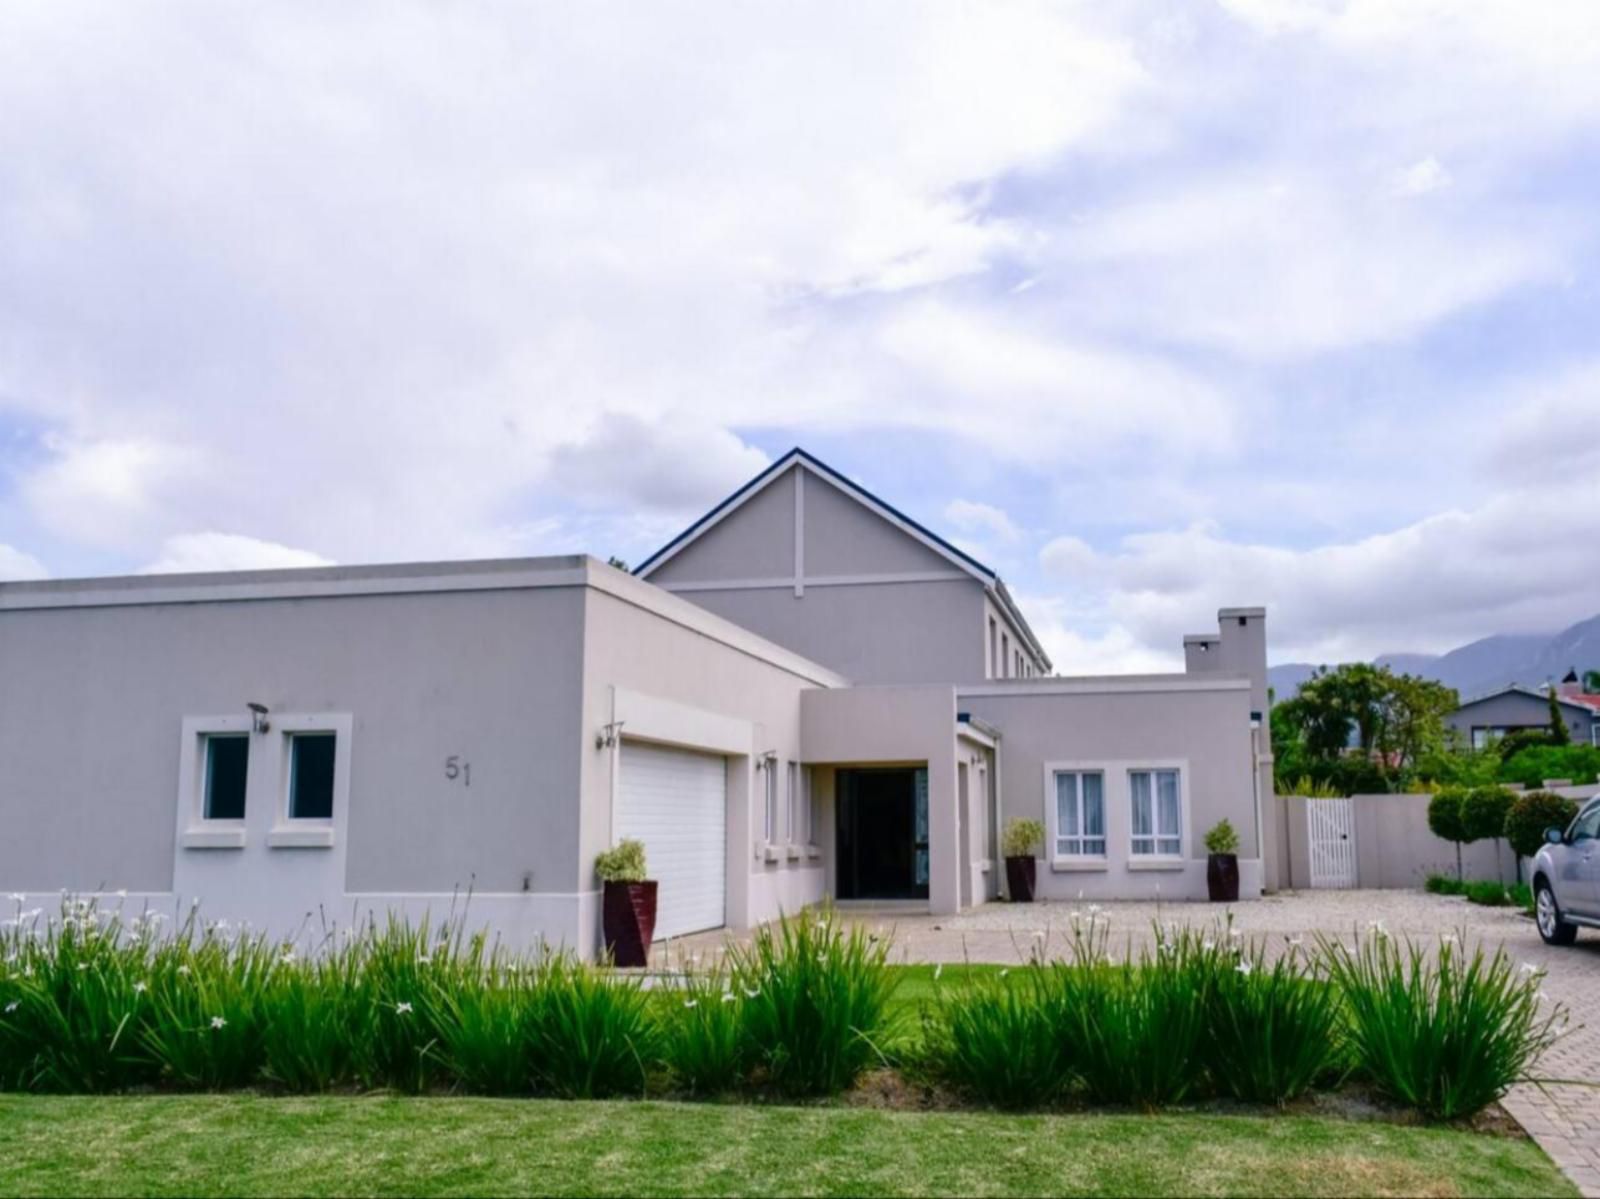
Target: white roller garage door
pixel 676 802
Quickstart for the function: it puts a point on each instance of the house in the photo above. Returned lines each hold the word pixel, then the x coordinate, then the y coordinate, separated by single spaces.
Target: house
pixel 1489 717
pixel 807 694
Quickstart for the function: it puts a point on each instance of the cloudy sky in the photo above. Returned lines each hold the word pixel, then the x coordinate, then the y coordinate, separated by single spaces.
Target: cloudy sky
pixel 1154 306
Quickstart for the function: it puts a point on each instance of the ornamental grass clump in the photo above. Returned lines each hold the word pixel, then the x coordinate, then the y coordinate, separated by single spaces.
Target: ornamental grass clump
pixel 1136 1026
pixel 994 1038
pixel 306 1037
pixel 1274 1030
pixel 591 1034
pixel 816 1002
pixel 704 1045
pixel 1448 1032
pixel 204 1020
pixel 73 989
pixel 398 969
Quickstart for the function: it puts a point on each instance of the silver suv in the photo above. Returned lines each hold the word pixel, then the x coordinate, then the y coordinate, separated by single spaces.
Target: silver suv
pixel 1566 878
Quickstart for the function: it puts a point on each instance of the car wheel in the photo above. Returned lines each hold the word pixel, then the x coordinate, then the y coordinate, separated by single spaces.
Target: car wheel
pixel 1547 915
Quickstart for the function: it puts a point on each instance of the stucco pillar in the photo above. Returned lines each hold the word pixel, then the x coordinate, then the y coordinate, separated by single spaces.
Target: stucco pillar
pixel 944 844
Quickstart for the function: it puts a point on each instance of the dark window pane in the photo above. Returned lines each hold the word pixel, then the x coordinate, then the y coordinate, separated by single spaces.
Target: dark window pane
pixel 311 776
pixel 227 765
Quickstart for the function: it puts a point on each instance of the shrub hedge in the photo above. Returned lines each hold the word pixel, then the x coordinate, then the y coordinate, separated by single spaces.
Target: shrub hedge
pixel 90 1002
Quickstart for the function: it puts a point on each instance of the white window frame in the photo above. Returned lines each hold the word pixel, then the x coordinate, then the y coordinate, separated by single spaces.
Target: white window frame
pixel 1594 734
pixel 1180 834
pixel 1057 836
pixel 195 829
pixel 297 832
pixel 1117 794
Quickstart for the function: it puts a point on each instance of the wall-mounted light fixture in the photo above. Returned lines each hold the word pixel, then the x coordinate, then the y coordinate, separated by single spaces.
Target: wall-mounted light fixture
pixel 258 717
pixel 606 738
pixel 765 760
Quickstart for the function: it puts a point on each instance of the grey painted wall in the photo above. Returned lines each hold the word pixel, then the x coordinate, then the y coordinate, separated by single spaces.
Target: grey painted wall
pixel 1209 729
pixel 92 702
pixel 869 600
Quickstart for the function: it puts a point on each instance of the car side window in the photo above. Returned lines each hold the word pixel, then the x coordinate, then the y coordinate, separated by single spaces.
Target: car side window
pixel 1587 825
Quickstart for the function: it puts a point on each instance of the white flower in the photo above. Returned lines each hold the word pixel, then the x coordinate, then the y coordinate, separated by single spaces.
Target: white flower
pixel 1005 972
pixel 1529 968
pixel 1234 934
pixel 1296 942
pixel 1244 966
pixel 402 1008
pixel 19 897
pixel 83 965
pixel 728 997
pixel 1208 946
pixel 751 992
pixel 13 1006
pixel 424 960
pixel 140 987
pixel 122 894
pixel 937 971
pixel 184 969
pixel 218 1022
pixel 690 1003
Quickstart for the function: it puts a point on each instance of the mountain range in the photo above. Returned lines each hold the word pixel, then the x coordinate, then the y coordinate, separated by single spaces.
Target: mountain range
pixel 1481 666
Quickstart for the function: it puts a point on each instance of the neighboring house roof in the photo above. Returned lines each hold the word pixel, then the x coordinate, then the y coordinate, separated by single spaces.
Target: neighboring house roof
pixel 1588 704
pixel 797 456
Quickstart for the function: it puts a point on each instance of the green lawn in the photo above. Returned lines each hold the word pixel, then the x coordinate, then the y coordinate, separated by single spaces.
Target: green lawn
pixel 248 1145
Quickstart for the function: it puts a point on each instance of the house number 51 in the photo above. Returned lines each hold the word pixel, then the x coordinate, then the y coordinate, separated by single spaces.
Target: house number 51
pixel 455 768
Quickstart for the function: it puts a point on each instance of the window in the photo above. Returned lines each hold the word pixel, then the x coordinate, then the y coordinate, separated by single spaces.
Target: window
pixel 1594 734
pixel 1080 814
pixel 311 760
pixel 1157 813
pixel 1587 826
pixel 769 832
pixel 994 648
pixel 227 766
pixel 1005 654
pixel 805 833
pixel 792 826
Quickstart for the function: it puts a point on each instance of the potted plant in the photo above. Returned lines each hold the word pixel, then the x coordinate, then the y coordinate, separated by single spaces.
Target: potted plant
pixel 628 903
pixel 1021 838
pixel 1222 863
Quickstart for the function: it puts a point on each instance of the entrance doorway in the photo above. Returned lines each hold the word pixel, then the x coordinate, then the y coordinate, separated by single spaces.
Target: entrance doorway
pixel 883 833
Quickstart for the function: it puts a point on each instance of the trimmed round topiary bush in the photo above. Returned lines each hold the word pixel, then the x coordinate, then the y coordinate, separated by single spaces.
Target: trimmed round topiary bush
pixel 1444 818
pixel 1530 814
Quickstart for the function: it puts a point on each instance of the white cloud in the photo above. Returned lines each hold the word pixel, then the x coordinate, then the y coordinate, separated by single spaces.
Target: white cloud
pixel 1421 177
pixel 677 465
pixel 1428 586
pixel 17 566
pixel 191 552
pixel 974 516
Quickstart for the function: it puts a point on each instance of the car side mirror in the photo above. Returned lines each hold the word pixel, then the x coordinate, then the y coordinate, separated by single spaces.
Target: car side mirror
pixel 1554 836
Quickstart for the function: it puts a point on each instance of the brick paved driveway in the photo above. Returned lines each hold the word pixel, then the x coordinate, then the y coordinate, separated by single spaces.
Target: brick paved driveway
pixel 1564 1118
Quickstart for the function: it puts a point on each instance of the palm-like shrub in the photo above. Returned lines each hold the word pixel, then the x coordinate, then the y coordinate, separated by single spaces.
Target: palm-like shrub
pixel 816 1002
pixel 1447 1035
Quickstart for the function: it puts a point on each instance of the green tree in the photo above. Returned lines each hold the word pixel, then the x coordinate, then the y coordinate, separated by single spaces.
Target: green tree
pixel 1531 813
pixel 1393 721
pixel 1444 819
pixel 1559 733
pixel 1591 681
pixel 1483 818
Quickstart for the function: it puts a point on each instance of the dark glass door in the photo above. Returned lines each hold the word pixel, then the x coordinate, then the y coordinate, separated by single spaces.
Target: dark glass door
pixel 883 834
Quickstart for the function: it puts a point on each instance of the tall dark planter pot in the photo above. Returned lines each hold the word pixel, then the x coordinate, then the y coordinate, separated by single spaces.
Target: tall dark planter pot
pixel 1021 877
pixel 1222 877
pixel 628 919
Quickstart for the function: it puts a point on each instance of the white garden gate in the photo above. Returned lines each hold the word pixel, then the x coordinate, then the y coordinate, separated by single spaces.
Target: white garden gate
pixel 1331 828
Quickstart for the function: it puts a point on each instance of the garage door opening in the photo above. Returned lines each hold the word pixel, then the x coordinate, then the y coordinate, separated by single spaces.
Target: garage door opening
pixel 676 802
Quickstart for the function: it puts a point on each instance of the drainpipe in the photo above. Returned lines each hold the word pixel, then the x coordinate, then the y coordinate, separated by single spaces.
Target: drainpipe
pixel 996 858
pixel 1255 792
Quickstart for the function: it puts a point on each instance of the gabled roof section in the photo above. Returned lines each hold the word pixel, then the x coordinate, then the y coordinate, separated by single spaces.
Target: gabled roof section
pixel 1583 703
pixel 809 462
